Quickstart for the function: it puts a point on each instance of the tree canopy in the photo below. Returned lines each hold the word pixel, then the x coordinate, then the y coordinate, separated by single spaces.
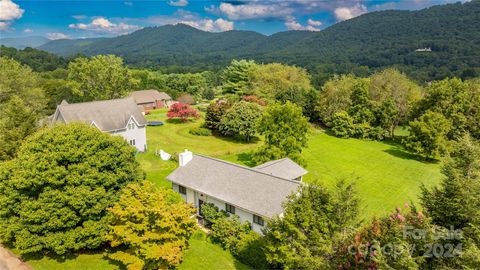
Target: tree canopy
pixel 54 194
pixel 150 226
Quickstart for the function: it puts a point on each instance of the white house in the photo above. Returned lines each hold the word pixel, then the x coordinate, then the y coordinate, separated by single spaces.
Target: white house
pixel 253 194
pixel 119 117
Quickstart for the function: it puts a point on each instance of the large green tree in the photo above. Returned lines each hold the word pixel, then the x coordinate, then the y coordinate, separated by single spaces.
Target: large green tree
pixel 456 100
pixel 22 104
pixel 313 221
pixel 285 130
pixel 237 77
pixel 241 120
pixel 395 94
pixel 54 194
pixel 215 113
pixel 101 77
pixel 150 227
pixel 428 135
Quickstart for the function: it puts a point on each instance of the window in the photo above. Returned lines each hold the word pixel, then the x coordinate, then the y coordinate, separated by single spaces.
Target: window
pixel 132 142
pixel 182 190
pixel 258 220
pixel 230 208
pixel 131 125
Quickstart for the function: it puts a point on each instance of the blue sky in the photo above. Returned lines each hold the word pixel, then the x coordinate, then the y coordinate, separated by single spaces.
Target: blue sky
pixel 81 19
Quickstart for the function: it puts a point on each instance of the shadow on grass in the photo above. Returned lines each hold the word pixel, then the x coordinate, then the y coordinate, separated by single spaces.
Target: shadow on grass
pixel 246 159
pixel 177 121
pixel 403 154
pixel 235 139
pixel 70 257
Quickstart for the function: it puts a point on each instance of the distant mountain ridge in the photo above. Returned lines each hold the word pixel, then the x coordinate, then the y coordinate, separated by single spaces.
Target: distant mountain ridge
pixel 375 40
pixel 23 42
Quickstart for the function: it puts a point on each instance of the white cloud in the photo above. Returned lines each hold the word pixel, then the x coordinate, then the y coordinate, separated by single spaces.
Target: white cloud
pixel 346 13
pixel 218 25
pixel 253 10
pixel 9 10
pixel 54 36
pixel 4 25
pixel 314 23
pixel 79 17
pixel 101 24
pixel 292 24
pixel 28 30
pixel 128 3
pixel 179 3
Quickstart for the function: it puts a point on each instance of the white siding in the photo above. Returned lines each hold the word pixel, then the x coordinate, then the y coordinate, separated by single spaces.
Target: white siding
pixel 136 133
pixel 244 215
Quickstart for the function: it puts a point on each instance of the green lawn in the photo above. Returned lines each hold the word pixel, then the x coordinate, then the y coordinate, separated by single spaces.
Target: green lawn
pixel 385 174
pixel 202 254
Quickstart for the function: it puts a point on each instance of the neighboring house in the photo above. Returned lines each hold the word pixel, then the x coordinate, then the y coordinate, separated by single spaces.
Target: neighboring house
pixel 117 117
pixel 253 194
pixel 152 99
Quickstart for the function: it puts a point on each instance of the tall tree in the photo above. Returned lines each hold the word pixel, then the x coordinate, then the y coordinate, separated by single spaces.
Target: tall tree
pixel 270 80
pixel 215 113
pixel 54 194
pixel 101 77
pixel 237 77
pixel 150 227
pixel 391 87
pixel 314 219
pixel 428 135
pixel 22 104
pixel 285 130
pixel 241 120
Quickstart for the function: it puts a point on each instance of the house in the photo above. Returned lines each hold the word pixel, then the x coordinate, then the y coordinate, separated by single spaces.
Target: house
pixel 254 194
pixel 152 99
pixel 117 117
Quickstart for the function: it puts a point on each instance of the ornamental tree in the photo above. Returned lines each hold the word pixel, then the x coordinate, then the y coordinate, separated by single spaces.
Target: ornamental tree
pixel 151 227
pixel 54 194
pixel 182 111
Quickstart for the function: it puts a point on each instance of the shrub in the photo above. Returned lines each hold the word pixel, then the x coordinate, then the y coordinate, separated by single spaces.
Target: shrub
pixel 249 250
pixel 227 230
pixel 211 213
pixel 199 131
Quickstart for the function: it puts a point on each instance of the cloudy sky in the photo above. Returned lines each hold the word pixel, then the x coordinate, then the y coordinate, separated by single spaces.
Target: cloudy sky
pixel 79 19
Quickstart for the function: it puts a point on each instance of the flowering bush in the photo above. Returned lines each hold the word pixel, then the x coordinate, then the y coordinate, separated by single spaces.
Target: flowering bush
pixel 182 111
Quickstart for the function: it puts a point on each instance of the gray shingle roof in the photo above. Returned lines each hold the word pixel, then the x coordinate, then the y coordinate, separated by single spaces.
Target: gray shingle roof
pixel 108 115
pixel 284 168
pixel 147 96
pixel 238 185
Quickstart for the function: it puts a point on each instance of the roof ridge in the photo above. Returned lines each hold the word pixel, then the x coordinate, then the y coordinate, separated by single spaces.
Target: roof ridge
pixel 270 163
pixel 247 168
pixel 95 101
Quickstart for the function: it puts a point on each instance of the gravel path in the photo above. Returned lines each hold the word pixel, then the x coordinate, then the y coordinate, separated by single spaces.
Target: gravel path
pixel 9 261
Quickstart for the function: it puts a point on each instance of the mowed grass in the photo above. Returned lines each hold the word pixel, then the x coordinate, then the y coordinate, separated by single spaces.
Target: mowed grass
pixel 386 176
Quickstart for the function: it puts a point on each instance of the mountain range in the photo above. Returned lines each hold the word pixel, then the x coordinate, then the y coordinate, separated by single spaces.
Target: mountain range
pixel 432 43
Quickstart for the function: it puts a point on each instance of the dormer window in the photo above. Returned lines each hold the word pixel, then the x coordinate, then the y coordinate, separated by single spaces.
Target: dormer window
pixel 131 125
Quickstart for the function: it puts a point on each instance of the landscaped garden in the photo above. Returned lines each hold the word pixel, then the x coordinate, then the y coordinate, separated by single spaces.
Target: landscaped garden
pixel 386 177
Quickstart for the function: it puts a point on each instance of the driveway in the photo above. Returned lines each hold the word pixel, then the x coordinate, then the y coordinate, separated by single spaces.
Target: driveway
pixel 9 261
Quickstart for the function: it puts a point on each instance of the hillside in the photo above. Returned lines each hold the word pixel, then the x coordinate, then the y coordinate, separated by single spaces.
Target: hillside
pixel 23 42
pixel 375 40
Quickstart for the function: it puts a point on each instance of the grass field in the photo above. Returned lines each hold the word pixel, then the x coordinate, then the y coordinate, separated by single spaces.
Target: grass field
pixel 386 177
pixel 385 174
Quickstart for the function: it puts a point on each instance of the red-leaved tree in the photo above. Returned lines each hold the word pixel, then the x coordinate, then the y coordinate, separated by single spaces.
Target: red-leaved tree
pixel 182 111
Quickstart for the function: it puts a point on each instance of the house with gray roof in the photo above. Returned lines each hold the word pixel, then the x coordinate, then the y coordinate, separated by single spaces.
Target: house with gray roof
pixel 119 117
pixel 254 194
pixel 152 99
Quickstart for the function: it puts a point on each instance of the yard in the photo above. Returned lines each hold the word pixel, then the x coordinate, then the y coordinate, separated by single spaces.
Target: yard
pixel 386 177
